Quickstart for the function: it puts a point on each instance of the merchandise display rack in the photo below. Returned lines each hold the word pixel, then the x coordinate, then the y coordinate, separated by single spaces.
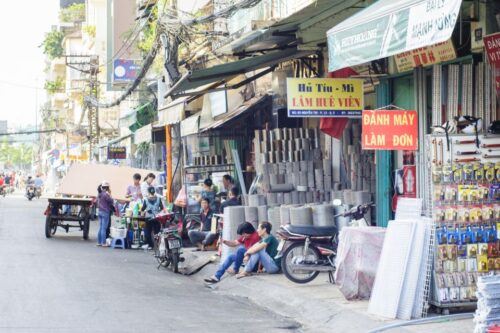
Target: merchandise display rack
pixel 464 200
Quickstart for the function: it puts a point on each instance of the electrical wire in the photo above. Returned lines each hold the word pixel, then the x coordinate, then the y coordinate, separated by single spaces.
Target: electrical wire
pixel 172 28
pixel 135 32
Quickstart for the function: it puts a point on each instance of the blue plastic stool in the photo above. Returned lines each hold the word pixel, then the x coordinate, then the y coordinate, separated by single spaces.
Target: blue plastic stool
pixel 119 243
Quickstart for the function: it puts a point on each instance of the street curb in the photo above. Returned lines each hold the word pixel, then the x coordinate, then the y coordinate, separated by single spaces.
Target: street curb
pixel 294 301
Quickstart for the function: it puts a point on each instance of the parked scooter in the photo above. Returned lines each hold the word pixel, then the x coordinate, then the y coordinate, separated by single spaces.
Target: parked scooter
pixel 168 243
pixel 306 251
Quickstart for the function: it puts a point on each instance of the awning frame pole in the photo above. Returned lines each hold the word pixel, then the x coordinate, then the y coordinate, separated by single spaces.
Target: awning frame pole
pixel 168 148
pixel 234 86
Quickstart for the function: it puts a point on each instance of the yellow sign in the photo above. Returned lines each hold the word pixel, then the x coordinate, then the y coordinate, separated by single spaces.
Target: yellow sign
pixel 315 97
pixel 425 56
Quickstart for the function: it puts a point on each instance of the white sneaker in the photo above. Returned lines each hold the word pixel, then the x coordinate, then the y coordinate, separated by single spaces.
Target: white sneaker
pixel 145 247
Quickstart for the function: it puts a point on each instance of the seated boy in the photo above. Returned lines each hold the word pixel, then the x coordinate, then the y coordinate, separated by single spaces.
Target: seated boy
pixel 264 252
pixel 248 238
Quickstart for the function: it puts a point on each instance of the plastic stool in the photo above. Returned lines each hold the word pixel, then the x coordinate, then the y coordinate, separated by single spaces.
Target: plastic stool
pixel 119 243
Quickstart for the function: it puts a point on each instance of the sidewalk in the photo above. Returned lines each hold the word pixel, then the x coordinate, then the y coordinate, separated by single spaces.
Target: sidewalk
pixel 318 306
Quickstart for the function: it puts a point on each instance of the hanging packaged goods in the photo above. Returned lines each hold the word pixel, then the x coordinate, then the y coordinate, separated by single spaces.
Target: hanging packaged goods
pixel 465 201
pixel 315 97
pixel 390 129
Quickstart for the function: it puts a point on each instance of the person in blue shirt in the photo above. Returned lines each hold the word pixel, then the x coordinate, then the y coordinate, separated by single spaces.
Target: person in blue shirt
pixel 151 206
pixel 208 193
pixel 203 235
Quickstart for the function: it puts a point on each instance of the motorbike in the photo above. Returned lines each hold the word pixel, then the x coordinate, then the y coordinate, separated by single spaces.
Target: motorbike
pixel 306 251
pixel 168 243
pixel 30 192
pixel 38 192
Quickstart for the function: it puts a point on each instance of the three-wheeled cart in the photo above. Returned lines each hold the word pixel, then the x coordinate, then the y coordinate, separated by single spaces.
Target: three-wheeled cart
pixel 68 213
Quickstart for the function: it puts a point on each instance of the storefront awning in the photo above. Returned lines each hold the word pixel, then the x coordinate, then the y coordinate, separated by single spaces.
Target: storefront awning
pixel 173 112
pixel 190 125
pixel 115 141
pixel 389 27
pixel 251 104
pixel 221 74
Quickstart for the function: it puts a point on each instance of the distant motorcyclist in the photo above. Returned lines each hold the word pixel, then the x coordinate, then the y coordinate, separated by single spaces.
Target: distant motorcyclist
pixel 29 183
pixel 38 183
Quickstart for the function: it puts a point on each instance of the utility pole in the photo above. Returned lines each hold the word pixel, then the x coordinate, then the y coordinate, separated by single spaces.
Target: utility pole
pixel 93 110
pixel 89 64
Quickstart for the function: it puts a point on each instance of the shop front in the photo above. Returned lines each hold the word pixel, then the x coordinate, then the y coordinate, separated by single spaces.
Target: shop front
pixel 437 70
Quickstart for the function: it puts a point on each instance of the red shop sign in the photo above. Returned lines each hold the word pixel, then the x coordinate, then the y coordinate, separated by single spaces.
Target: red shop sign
pixel 389 130
pixel 492 46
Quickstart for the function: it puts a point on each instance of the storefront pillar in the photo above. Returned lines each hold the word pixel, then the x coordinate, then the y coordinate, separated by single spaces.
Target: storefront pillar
pixel 383 166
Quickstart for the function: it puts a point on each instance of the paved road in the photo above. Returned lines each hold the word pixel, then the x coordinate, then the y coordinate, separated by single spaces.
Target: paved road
pixel 65 284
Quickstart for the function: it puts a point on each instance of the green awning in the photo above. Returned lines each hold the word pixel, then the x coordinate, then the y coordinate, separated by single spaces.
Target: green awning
pixel 389 27
pixel 222 74
pixel 144 115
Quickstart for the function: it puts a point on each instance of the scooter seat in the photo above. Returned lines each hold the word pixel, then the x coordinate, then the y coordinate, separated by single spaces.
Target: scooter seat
pixel 311 230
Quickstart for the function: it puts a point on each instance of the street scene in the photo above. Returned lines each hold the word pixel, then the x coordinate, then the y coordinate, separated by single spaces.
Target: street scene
pixel 250 165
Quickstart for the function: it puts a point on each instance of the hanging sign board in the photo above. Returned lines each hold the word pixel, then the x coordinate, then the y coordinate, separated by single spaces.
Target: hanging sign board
pixel 117 153
pixel 425 56
pixel 389 130
pixel 325 97
pixel 492 47
pixel 389 27
pixel 125 70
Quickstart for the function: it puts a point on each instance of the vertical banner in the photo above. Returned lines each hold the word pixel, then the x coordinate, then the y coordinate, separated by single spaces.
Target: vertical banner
pixel 389 130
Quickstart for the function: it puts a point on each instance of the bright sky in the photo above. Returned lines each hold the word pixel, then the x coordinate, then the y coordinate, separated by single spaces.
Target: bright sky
pixel 22 61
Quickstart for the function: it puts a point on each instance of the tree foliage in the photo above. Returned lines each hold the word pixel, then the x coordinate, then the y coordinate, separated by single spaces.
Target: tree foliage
pixel 73 13
pixel 52 45
pixel 18 156
pixel 54 86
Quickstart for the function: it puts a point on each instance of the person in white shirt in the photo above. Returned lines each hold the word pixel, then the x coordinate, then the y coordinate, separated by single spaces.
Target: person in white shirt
pixel 148 182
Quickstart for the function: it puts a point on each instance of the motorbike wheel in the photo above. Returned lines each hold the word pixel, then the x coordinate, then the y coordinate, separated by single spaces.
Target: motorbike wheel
pixel 294 250
pixel 49 229
pixel 86 228
pixel 162 261
pixel 175 261
pixel 30 198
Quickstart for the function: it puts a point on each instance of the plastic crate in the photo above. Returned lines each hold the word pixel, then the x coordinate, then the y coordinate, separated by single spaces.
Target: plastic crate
pixel 118 233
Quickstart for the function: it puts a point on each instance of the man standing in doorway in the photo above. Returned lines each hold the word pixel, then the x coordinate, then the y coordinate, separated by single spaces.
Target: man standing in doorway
pixel 147 183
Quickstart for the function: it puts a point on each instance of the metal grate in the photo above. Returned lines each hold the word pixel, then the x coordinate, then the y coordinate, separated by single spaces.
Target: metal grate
pixel 429 265
pixel 453 78
pixel 437 72
pixel 487 96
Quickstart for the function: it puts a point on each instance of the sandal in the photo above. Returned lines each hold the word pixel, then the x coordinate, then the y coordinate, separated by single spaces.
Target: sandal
pixel 211 280
pixel 242 275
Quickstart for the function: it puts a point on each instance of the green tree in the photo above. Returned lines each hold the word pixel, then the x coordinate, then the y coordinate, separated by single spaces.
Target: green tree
pixel 52 44
pixel 73 13
pixel 54 86
pixel 18 156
